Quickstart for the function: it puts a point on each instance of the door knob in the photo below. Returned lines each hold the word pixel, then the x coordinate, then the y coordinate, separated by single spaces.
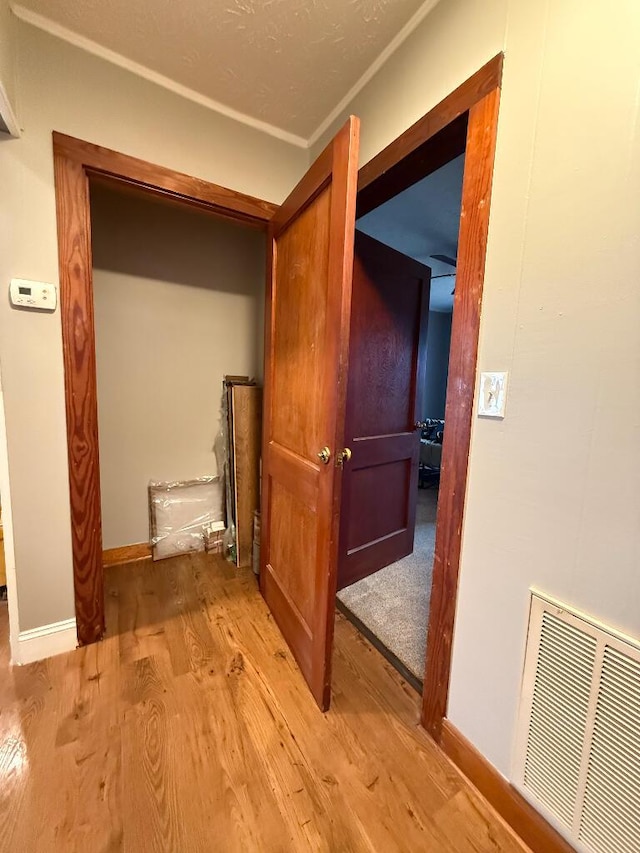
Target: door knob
pixel 343 456
pixel 324 455
pixel 421 425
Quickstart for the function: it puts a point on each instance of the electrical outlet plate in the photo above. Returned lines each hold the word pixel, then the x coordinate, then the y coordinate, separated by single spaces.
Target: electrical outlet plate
pixel 493 394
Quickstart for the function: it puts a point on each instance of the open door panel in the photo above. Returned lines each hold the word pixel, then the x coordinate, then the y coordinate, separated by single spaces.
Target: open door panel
pixel 387 361
pixel 306 351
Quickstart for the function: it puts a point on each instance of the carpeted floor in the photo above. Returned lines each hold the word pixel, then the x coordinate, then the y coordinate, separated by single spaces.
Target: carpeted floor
pixel 394 602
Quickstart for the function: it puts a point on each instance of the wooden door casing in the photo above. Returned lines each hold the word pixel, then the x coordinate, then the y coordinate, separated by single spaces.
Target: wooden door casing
pixel 81 397
pixel 472 245
pixel 99 163
pixel 76 164
pixel 387 368
pixel 479 98
pixel 306 352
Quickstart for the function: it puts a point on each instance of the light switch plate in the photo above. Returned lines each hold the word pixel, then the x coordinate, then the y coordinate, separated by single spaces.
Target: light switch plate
pixel 493 394
pixel 38 295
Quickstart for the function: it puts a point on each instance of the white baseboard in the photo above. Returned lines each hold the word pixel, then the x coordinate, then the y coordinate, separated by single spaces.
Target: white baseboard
pixel 46 641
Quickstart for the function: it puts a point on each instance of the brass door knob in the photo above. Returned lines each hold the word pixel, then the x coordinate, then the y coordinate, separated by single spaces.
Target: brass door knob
pixel 324 455
pixel 344 455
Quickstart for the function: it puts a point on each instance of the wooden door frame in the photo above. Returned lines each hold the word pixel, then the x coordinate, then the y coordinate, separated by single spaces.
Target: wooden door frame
pixel 76 163
pixel 465 121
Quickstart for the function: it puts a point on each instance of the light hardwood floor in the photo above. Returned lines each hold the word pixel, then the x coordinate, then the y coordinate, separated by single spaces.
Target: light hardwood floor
pixel 190 729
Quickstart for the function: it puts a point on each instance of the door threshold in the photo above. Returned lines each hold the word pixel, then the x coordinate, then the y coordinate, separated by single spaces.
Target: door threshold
pixel 386 653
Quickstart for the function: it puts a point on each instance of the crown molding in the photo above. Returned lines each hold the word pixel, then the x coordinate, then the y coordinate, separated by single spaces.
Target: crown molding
pixel 8 114
pixel 90 46
pixel 375 66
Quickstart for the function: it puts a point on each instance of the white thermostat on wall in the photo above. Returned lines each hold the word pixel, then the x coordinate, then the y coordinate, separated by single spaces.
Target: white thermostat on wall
pixel 39 295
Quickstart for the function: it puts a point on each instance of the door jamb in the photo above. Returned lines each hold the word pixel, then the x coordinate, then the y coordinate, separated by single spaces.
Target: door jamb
pixel 414 154
pixel 75 163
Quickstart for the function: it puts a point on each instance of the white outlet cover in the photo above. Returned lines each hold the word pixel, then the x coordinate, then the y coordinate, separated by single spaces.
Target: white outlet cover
pixel 493 394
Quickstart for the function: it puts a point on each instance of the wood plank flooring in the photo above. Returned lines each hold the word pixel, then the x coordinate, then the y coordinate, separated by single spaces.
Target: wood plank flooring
pixel 190 729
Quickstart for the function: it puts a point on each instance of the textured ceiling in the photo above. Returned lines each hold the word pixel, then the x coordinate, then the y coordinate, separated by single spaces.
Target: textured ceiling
pixel 284 62
pixel 422 221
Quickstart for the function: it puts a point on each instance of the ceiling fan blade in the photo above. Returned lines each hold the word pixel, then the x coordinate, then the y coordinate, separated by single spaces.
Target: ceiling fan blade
pixel 445 259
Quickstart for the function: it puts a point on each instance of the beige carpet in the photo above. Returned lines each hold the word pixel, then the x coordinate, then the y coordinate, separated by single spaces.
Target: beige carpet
pixel 394 602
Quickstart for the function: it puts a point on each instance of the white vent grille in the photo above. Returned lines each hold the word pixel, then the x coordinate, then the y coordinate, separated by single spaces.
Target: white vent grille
pixel 578 751
pixel 611 811
pixel 559 715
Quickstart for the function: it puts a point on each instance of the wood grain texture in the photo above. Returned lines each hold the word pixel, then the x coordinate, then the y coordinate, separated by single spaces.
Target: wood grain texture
pixel 300 319
pixel 78 342
pixel 315 180
pixel 306 348
pixel 474 225
pixel 387 349
pixel 126 188
pixel 190 728
pixel 246 403
pixel 469 93
pixel 74 161
pixel 126 554
pixel 526 822
pixel 161 181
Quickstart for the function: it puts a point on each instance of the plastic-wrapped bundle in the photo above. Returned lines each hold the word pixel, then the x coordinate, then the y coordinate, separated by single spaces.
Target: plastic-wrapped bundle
pixel 179 513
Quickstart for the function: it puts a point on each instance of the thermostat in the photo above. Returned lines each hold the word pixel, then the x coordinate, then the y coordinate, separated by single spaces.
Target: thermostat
pixel 33 294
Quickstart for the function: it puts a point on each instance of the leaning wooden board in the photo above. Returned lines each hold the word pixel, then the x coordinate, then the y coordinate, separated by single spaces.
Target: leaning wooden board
pixel 246 425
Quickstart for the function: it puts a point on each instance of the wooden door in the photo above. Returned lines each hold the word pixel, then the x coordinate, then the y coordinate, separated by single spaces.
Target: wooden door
pixel 306 344
pixel 387 362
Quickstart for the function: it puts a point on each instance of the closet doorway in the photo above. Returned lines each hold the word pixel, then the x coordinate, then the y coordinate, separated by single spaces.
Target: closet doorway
pixel 79 165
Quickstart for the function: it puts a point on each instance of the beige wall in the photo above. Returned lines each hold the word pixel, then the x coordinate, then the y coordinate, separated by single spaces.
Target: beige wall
pixel 553 497
pixel 179 302
pixel 64 88
pixel 7 52
pixel 456 38
pixel 553 493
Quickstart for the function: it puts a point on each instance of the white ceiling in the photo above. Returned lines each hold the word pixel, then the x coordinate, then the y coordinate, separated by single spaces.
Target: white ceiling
pixel 286 63
pixel 422 221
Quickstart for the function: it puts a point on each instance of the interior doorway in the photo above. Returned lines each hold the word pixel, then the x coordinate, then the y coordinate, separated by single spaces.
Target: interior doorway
pixel 76 165
pixel 416 231
pixel 311 239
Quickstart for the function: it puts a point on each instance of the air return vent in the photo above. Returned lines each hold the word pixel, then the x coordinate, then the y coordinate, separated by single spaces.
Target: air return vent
pixel 578 750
